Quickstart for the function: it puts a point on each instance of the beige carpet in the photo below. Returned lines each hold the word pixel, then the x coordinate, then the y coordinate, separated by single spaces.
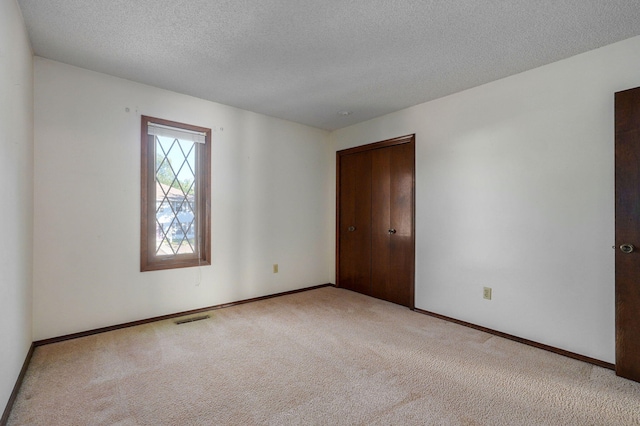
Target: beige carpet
pixel 326 356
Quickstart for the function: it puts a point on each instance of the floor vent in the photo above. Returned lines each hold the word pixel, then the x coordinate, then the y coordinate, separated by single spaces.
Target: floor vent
pixel 192 319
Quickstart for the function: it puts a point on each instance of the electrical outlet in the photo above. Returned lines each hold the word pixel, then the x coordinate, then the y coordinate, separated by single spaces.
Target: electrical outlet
pixel 275 268
pixel 486 294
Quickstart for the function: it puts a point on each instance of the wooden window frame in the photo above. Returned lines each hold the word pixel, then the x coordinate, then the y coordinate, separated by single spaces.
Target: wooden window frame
pixel 149 261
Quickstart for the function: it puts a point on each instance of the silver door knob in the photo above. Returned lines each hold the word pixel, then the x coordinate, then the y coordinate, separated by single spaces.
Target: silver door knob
pixel 351 228
pixel 392 231
pixel 627 248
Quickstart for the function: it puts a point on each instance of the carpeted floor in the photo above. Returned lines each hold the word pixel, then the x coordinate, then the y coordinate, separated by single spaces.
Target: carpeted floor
pixel 326 356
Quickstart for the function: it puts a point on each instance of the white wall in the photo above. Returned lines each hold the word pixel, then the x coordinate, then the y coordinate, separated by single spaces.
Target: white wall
pixel 16 193
pixel 271 203
pixel 515 191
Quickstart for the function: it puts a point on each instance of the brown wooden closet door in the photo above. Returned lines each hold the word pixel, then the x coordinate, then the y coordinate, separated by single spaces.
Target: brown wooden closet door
pixel 354 260
pixel 392 245
pixel 627 155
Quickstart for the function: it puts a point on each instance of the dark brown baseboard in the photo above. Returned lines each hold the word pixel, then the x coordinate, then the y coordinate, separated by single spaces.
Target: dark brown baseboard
pixel 170 316
pixel 16 387
pixel 521 340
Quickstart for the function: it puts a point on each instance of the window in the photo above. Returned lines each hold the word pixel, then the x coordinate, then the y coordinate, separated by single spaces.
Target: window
pixel 176 195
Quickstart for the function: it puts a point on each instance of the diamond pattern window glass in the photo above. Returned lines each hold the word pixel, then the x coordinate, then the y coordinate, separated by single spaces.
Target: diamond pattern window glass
pixel 176 174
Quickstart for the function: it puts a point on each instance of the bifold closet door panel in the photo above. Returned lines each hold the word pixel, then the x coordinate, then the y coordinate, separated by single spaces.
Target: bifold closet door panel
pixel 392 224
pixel 355 222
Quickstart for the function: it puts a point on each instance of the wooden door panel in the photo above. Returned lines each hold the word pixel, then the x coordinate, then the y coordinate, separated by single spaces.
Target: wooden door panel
pixel 401 243
pixel 392 224
pixel 354 222
pixel 381 265
pixel 627 294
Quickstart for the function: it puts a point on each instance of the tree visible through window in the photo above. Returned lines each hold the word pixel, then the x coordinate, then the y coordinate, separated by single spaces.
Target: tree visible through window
pixel 176 175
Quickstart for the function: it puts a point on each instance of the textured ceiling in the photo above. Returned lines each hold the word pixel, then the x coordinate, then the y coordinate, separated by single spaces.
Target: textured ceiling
pixel 306 60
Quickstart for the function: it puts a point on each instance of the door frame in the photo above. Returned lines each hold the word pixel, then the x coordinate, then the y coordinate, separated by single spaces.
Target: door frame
pixel 407 139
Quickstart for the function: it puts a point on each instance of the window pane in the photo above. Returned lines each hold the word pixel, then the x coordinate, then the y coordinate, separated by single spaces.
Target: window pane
pixel 175 179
